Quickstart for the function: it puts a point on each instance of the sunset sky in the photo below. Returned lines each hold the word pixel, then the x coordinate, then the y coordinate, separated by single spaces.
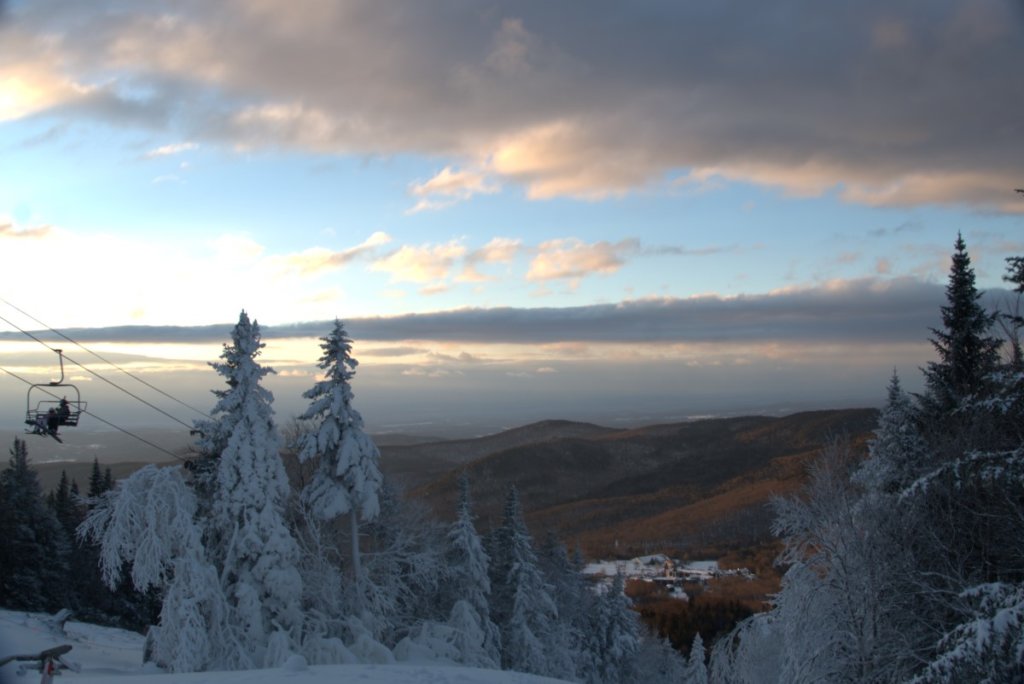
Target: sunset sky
pixel 593 210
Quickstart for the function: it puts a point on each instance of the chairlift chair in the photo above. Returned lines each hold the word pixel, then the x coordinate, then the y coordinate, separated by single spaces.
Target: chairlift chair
pixel 38 407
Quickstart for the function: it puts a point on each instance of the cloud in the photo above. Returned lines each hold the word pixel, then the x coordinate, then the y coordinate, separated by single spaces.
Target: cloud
pixel 860 311
pixel 31 79
pixel 449 187
pixel 573 258
pixel 237 248
pixel 510 53
pixel 571 157
pixel 318 259
pixel 172 149
pixel 565 103
pixel 905 227
pixel 422 264
pixel 676 250
pixel 389 352
pixel 498 250
pixel 8 230
pixel 417 372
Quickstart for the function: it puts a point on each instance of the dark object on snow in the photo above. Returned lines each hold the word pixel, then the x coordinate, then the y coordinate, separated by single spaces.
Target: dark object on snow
pixel 50 661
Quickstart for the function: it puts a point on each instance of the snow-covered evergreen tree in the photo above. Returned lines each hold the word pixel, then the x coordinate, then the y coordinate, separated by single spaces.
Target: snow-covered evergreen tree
pixel 218 545
pixel 348 479
pixel 522 605
pixel 577 607
pixel 467 582
pixel 898 454
pixel 617 630
pixel 696 669
pixel 658 662
pixel 986 646
pixel 252 544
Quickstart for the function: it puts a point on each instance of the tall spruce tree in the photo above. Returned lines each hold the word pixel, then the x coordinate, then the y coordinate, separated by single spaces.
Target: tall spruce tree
pixel 968 353
pixel 348 478
pixel 250 540
pixel 522 605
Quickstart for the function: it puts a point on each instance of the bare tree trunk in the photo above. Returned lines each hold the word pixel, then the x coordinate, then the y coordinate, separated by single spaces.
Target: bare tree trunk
pixel 357 566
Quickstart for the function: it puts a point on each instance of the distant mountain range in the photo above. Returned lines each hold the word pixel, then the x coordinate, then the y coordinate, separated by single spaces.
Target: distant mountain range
pixel 676 488
pixel 670 488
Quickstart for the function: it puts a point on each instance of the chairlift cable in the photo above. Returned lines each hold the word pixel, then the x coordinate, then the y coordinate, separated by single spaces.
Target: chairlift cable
pixel 102 420
pixel 110 382
pixel 107 361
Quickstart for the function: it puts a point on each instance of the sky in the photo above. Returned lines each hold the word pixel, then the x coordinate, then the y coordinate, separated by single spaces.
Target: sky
pixel 605 211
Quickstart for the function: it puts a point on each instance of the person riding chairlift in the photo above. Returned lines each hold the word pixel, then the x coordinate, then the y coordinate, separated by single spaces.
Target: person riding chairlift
pixel 52 421
pixel 64 411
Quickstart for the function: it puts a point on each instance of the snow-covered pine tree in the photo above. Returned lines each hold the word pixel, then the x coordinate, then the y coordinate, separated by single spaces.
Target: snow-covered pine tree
pixel 898 454
pixel 348 479
pixel 658 662
pixel 522 605
pixel 467 581
pixel 696 670
pixel 251 542
pixel 617 630
pixel 576 605
pixel 34 551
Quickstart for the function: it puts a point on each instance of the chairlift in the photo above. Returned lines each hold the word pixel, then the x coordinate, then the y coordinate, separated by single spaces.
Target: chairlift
pixel 45 416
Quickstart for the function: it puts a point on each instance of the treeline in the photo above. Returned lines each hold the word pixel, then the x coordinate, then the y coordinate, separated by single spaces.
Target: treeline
pixel 44 565
pixel 908 566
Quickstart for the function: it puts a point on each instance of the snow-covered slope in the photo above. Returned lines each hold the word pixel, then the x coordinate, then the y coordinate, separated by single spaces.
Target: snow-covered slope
pixel 114 656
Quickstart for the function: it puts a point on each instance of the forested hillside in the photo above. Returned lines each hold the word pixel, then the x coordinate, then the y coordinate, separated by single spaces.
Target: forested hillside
pixel 678 488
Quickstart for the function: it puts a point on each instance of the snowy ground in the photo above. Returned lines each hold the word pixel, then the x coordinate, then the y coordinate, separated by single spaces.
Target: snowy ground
pixel 106 655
